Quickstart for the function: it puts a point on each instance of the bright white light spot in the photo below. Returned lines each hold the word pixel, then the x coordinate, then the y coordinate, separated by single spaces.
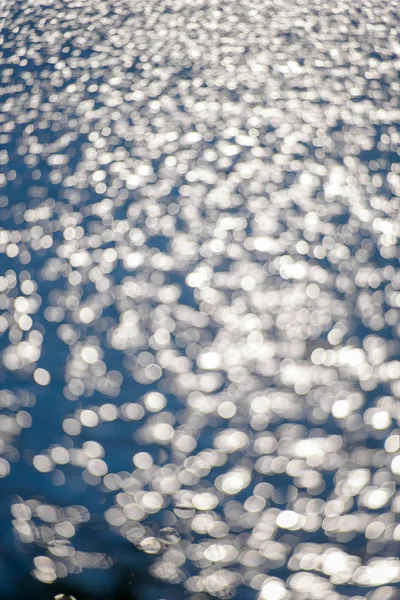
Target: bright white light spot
pixel 381 420
pixel 41 376
pixel 90 355
pixel 209 360
pixel 42 463
pixel 205 501
pixel 163 432
pixel 273 589
pixel 88 418
pixel 4 467
pixel 395 466
pixel 142 460
pixel 340 409
pixel 215 553
pixel 226 410
pixel 287 519
pixel 86 315
pixel 97 467
pixel 235 481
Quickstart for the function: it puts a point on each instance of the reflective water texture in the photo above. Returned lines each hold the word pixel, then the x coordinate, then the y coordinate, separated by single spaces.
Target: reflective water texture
pixel 200 297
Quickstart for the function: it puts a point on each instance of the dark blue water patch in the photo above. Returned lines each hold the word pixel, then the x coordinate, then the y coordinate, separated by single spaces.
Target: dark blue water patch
pixel 158 241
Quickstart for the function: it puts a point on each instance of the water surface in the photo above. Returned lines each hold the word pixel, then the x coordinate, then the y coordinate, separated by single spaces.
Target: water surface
pixel 200 296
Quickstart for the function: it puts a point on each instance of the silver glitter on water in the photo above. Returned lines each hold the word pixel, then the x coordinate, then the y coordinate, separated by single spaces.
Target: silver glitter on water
pixel 200 293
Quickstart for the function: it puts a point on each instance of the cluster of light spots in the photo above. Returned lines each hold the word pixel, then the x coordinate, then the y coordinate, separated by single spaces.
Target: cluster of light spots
pixel 199 212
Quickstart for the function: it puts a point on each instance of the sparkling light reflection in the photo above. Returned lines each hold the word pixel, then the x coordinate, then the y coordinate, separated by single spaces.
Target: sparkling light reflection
pixel 201 292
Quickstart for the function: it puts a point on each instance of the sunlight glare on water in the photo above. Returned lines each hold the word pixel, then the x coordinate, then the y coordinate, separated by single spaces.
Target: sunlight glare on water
pixel 200 298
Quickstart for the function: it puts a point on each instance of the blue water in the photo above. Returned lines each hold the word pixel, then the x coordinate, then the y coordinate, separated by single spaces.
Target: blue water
pixel 199 294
